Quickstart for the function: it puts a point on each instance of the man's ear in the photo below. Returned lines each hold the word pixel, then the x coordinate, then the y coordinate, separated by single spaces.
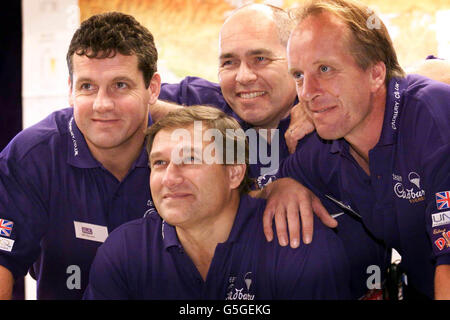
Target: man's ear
pixel 154 88
pixel 378 75
pixel 70 92
pixel 236 173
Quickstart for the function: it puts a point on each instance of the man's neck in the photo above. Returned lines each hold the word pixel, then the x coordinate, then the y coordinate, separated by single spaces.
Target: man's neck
pixel 271 127
pixel 118 160
pixel 200 241
pixel 366 136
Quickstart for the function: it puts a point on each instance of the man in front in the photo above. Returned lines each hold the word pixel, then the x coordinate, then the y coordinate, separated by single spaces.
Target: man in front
pixel 386 153
pixel 68 181
pixel 207 241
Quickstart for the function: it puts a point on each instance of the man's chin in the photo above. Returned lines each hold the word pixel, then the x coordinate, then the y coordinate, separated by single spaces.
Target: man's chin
pixel 327 133
pixel 254 119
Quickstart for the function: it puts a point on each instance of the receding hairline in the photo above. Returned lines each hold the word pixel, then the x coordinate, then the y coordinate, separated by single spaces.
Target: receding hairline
pixel 278 16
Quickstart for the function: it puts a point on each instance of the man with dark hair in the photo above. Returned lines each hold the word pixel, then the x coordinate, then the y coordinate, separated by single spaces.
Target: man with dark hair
pixel 386 153
pixel 207 241
pixel 72 178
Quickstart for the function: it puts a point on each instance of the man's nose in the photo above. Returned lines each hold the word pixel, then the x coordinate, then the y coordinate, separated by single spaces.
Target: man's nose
pixel 103 101
pixel 245 74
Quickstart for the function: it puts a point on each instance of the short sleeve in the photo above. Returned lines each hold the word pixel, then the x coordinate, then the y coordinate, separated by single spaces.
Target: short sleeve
pixel 23 214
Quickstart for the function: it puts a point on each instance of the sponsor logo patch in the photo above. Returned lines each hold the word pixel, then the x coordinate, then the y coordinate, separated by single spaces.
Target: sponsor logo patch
pixel 440 218
pixel 443 241
pixel 443 200
pixel 6 227
pixel 414 193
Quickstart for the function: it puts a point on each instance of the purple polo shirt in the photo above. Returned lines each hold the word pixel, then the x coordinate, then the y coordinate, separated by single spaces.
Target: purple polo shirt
pixel 362 249
pixel 193 91
pixel 144 259
pixel 59 201
pixel 406 199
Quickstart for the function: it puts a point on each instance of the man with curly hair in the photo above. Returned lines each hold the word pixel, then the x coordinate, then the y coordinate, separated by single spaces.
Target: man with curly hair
pixel 69 180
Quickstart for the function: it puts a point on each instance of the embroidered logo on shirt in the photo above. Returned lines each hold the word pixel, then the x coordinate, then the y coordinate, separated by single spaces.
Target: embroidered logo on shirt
pixel 266 179
pixel 414 178
pixel 72 135
pixel 396 105
pixel 440 218
pixel 413 196
pixel 152 209
pixel 6 227
pixel 443 200
pixel 443 241
pixel 234 293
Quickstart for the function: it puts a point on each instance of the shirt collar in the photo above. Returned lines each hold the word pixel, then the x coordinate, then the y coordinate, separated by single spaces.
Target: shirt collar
pixel 392 111
pixel 142 160
pixel 78 153
pixel 338 146
pixel 247 207
pixel 391 117
pixel 169 235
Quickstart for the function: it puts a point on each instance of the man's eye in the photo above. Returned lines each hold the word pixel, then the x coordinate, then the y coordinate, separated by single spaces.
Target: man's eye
pixel 325 68
pixel 226 63
pixel 86 86
pixel 157 163
pixel 297 75
pixel 121 85
pixel 190 160
pixel 262 60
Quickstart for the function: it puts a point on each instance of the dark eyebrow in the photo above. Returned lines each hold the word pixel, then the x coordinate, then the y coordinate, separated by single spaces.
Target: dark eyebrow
pixel 154 155
pixel 116 79
pixel 83 79
pixel 123 78
pixel 254 52
pixel 261 51
pixel 226 56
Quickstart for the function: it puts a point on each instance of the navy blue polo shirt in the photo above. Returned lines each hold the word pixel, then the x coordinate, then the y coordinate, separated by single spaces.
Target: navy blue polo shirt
pixel 406 199
pixel 60 203
pixel 362 249
pixel 193 91
pixel 144 259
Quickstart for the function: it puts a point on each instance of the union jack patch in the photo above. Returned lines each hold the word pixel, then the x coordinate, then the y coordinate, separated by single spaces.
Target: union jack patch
pixel 443 200
pixel 6 227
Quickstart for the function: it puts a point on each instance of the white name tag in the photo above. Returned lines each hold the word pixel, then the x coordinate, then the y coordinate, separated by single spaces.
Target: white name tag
pixel 6 244
pixel 91 232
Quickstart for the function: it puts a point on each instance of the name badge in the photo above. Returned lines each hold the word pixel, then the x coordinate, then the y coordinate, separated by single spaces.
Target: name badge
pixel 88 231
pixel 6 244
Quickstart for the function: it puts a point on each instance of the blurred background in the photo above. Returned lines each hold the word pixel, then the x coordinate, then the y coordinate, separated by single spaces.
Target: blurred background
pixel 35 35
